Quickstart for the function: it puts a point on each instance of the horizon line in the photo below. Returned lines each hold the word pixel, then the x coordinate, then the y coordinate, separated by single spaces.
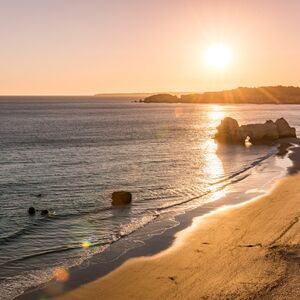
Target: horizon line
pixel 139 93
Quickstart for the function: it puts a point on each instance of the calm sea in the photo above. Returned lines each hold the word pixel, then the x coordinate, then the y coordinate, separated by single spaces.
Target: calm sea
pixel 76 151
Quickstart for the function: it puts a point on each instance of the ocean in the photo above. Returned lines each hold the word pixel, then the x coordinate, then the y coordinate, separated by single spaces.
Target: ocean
pixel 75 151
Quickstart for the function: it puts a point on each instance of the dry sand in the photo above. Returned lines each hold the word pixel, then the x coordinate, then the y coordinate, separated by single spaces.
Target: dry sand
pixel 251 251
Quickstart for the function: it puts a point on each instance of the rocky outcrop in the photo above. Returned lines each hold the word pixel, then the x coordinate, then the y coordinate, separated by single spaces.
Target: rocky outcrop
pixel 121 198
pixel 284 129
pixel 260 132
pixel 230 132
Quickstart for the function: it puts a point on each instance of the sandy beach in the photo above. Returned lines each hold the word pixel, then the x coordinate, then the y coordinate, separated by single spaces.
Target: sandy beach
pixel 247 251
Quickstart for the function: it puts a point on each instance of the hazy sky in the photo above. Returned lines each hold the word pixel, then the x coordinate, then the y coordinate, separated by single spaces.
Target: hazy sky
pixel 92 46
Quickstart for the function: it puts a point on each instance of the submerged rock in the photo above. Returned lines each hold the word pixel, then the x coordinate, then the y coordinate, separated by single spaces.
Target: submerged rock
pixel 44 212
pixel 121 198
pixel 31 210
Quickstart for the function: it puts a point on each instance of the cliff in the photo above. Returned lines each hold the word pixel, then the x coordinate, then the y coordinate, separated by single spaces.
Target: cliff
pixel 241 95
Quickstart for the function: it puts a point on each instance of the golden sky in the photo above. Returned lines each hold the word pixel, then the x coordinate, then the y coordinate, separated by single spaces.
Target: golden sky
pixel 82 47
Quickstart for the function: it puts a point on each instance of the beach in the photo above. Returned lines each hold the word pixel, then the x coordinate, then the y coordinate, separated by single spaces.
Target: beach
pixel 248 251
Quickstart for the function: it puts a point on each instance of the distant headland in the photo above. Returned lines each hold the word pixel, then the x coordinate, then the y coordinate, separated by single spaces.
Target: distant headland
pixel 241 95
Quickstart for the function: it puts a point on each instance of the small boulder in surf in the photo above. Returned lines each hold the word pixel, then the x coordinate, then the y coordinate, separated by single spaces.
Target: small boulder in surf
pixel 31 210
pixel 44 212
pixel 121 198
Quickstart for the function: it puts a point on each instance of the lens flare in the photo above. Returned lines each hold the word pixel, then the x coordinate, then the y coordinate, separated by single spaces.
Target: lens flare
pixel 86 244
pixel 61 275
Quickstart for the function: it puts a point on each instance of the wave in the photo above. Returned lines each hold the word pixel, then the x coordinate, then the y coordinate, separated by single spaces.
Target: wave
pixel 251 166
pixel 231 179
pixel 14 286
pixel 24 230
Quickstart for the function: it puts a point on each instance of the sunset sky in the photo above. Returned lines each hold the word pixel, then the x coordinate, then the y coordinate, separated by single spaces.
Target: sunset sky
pixel 82 47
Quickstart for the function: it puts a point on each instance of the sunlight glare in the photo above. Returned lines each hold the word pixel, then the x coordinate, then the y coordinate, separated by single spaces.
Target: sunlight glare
pixel 218 56
pixel 216 113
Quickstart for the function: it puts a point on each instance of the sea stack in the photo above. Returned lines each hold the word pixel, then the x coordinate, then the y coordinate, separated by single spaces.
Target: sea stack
pixel 229 131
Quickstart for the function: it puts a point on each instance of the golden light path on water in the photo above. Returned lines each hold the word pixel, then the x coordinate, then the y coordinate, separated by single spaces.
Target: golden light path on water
pixel 213 167
pixel 216 113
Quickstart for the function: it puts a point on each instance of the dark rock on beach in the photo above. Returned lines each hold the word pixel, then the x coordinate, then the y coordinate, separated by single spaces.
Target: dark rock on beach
pixel 121 198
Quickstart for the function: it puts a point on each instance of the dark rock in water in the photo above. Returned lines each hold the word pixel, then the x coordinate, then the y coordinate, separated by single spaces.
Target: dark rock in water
pixel 121 198
pixel 260 133
pixel 284 129
pixel 230 132
pixel 283 149
pixel 31 210
pixel 44 212
pixel 38 195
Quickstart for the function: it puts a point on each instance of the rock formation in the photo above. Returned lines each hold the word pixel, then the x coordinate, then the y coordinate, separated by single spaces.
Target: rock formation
pixel 230 132
pixel 121 198
pixel 284 129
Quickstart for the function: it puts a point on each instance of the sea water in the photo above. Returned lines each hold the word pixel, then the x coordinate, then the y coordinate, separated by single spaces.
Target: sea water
pixel 67 155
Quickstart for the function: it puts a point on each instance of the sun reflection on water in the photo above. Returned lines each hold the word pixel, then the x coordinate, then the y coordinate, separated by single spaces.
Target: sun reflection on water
pixel 216 112
pixel 213 166
pixel 214 170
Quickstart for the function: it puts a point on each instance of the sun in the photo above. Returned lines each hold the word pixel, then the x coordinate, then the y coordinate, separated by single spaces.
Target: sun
pixel 218 56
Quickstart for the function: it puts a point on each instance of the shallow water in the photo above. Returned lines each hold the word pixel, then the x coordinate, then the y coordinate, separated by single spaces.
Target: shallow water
pixel 76 153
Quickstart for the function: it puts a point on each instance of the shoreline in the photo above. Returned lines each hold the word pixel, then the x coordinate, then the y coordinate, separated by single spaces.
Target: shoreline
pixel 81 277
pixel 260 260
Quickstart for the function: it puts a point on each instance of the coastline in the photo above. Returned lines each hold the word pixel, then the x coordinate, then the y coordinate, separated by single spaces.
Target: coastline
pixel 93 271
pixel 250 250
